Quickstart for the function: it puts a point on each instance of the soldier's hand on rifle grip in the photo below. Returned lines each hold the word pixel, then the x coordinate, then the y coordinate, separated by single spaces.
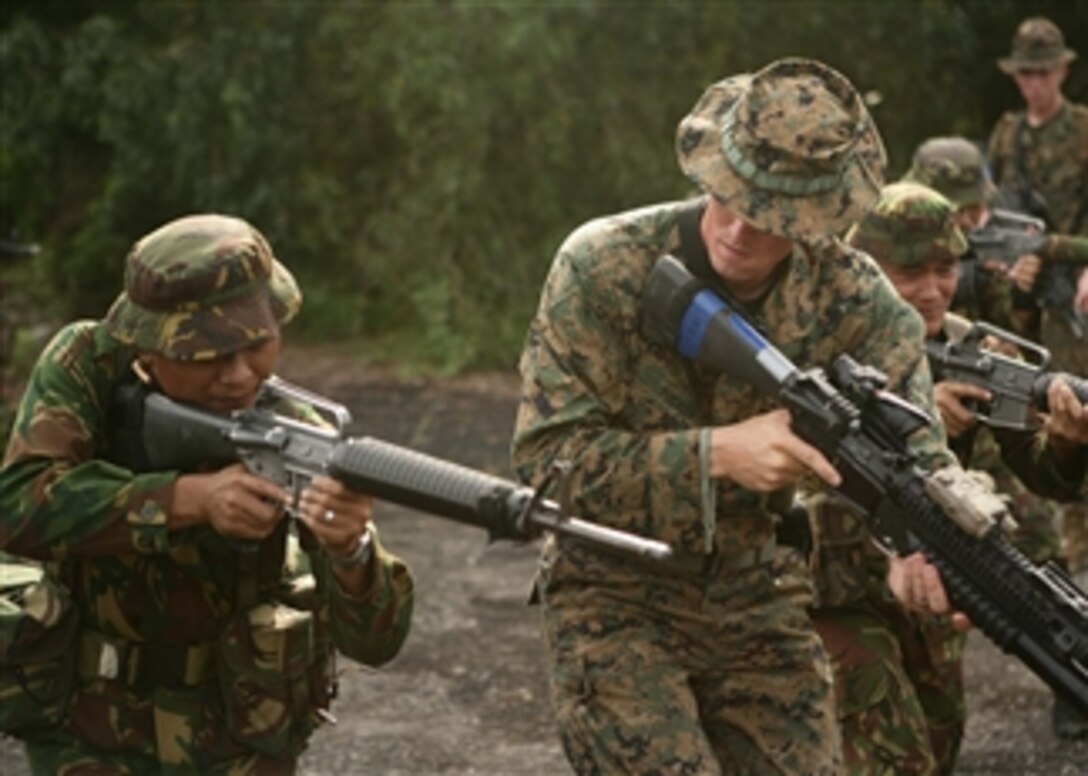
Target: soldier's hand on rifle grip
pixel 233 501
pixel 763 454
pixel 1024 272
pixel 956 403
pixel 339 519
pixel 916 584
pixel 1067 422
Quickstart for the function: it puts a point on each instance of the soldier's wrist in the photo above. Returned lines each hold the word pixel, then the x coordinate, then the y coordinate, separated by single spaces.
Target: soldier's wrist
pixel 359 556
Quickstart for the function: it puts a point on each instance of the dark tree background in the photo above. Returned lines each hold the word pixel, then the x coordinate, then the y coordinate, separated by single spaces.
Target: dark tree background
pixel 417 164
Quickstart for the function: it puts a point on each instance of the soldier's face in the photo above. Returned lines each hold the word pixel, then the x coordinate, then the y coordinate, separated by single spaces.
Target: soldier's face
pixel 230 382
pixel 928 288
pixel 743 256
pixel 1041 89
pixel 971 217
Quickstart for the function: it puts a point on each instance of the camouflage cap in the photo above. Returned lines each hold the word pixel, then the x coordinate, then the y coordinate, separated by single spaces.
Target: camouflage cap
pixel 955 167
pixel 200 287
pixel 791 149
pixel 909 225
pixel 1037 45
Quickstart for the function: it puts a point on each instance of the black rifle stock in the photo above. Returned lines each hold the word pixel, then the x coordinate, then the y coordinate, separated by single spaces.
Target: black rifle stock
pixel 159 434
pixel 1034 612
pixel 1018 386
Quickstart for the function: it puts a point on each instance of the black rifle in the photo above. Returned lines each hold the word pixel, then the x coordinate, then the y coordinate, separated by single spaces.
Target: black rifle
pixel 155 433
pixel 1006 237
pixel 1017 386
pixel 1034 612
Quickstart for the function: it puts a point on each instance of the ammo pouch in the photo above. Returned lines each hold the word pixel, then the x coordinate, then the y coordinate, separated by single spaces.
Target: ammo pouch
pixel 275 672
pixel 38 631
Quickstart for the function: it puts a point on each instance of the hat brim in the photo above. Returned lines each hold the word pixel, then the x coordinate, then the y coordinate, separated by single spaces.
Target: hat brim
pixel 1013 65
pixel 805 217
pixel 971 195
pixel 204 333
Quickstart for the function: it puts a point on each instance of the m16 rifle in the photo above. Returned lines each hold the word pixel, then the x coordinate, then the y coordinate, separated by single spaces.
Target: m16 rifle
pixel 1007 236
pixel 1018 386
pixel 155 433
pixel 1034 612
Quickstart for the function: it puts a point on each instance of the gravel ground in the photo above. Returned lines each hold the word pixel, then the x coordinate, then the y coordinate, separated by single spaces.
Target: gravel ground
pixel 468 694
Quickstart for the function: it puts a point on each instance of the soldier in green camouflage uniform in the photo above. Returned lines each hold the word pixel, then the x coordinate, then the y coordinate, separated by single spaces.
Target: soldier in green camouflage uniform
pixel 899 673
pixel 716 669
pixel 955 167
pixel 1044 149
pixel 208 621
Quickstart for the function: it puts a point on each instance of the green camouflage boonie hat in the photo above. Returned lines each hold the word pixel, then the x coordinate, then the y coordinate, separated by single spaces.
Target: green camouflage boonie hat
pixel 954 166
pixel 791 149
pixel 909 225
pixel 201 287
pixel 1037 45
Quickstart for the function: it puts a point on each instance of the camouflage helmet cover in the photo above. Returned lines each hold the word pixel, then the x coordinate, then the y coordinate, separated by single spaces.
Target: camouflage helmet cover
pixel 955 167
pixel 200 287
pixel 909 225
pixel 791 149
pixel 1037 45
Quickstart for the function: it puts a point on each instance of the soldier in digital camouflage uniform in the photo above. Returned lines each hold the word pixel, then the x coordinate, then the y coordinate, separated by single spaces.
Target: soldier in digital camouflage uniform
pixel 208 622
pixel 1043 149
pixel 899 673
pixel 716 668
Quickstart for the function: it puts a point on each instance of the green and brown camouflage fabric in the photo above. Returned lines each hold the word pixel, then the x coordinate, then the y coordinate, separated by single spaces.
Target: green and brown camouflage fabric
pixel 898 686
pixel 1037 45
pixel 1065 249
pixel 899 677
pixel 200 287
pixel 791 149
pixel 155 606
pixel 635 419
pixel 955 167
pixel 1055 160
pixel 909 225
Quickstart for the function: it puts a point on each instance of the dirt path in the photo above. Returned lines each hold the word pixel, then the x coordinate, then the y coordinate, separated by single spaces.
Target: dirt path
pixel 468 694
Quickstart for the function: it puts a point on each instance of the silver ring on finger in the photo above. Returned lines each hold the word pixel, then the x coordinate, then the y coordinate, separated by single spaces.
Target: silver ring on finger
pixel 328 516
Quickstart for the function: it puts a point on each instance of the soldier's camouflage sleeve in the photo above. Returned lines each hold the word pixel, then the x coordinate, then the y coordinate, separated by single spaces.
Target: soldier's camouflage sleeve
pixel 638 466
pixel 57 496
pixel 1065 249
pixel 371 628
pixel 1031 459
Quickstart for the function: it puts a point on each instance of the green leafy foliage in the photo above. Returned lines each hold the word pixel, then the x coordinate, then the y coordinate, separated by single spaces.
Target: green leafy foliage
pixel 417 164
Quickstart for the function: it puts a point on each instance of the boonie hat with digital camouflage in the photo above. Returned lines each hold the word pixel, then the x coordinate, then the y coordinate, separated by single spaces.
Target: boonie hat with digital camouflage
pixel 201 287
pixel 954 166
pixel 1037 45
pixel 909 225
pixel 791 149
